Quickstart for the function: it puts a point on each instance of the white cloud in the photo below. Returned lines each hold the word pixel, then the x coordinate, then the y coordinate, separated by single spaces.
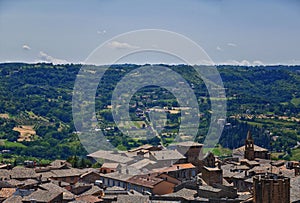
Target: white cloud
pixel 243 63
pixel 258 63
pixel 26 47
pixel 121 45
pixel 219 48
pixel 99 32
pixel 231 44
pixel 47 58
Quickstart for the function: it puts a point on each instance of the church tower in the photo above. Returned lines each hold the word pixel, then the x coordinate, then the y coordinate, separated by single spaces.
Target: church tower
pixel 249 147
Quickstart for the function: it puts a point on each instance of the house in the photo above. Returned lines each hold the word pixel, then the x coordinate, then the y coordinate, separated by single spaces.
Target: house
pixel 80 188
pixel 191 150
pixel 218 192
pixel 66 175
pixel 183 195
pixel 89 177
pixel 242 182
pixel 13 199
pixel 132 198
pixel 67 195
pixel 20 173
pixel 212 175
pixel 185 171
pixel 94 190
pixel 151 183
pixel 60 164
pixel 110 167
pixel 110 156
pixel 145 148
pixel 89 199
pixel 166 157
pixel 115 179
pixel 44 196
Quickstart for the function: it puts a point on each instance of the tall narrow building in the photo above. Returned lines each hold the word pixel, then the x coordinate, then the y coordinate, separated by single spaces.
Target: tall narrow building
pixel 249 147
pixel 271 188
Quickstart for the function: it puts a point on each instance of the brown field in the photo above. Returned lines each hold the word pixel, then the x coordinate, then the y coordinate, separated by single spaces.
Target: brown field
pixel 174 111
pixel 27 132
pixel 4 115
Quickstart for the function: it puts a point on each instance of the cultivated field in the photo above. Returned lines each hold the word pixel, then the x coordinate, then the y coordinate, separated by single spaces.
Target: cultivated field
pixel 27 132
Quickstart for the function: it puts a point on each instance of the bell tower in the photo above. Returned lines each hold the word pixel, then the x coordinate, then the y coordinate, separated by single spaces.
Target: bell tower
pixel 249 147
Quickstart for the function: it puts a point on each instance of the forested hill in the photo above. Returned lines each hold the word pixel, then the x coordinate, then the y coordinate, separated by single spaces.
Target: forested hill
pixel 36 110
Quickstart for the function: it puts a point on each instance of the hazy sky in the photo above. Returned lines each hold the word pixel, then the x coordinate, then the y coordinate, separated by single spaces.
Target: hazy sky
pixel 230 31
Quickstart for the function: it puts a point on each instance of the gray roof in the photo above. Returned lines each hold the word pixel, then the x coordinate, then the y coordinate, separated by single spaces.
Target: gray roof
pixel 132 198
pixel 4 173
pixel 167 155
pixel 52 187
pixel 187 144
pixel 42 196
pixel 13 199
pixel 23 173
pixel 110 155
pixel 110 165
pixel 142 163
pixel 28 182
pixel 185 193
pixel 117 176
pixel 66 173
pixel 256 148
pixel 227 170
pixel 92 191
pixel 209 188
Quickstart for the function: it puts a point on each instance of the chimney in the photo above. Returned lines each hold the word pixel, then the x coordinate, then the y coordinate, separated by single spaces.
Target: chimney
pixel 219 165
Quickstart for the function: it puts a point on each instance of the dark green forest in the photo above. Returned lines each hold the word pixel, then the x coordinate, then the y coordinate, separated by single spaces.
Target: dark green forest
pixel 263 99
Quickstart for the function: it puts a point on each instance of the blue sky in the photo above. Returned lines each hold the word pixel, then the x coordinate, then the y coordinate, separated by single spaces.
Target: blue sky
pixel 230 31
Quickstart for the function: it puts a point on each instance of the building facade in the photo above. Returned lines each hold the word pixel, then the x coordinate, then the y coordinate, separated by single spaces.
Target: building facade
pixel 271 188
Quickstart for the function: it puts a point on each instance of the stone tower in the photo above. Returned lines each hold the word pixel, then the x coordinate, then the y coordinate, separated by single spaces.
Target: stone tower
pixel 249 147
pixel 271 188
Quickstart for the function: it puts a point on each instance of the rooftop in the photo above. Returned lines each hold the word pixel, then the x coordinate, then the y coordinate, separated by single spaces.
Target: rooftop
pixel 148 180
pixel 209 188
pixel 110 155
pixel 42 196
pixel 167 155
pixel 66 173
pixel 256 148
pixel 110 165
pixel 187 144
pixel 7 192
pixel 185 193
pixel 22 173
pixel 117 176
pixel 175 167
pixel 142 163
